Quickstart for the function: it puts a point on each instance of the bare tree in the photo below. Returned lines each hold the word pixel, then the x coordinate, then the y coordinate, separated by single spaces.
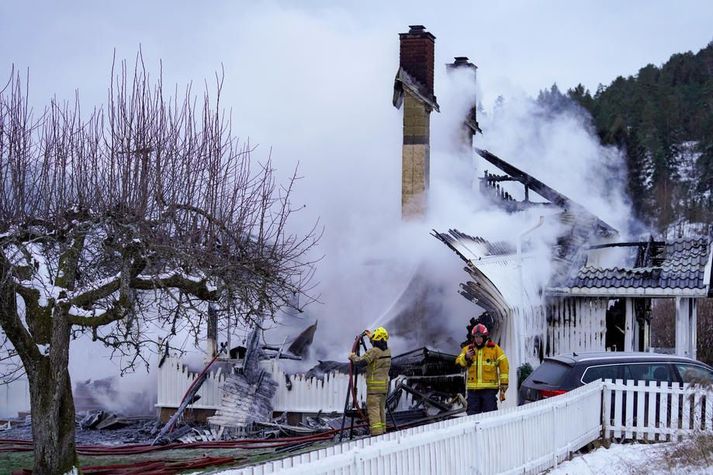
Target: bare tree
pixel 137 215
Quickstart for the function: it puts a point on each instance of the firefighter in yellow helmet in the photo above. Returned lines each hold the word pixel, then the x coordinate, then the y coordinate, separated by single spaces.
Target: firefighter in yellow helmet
pixel 487 371
pixel 378 363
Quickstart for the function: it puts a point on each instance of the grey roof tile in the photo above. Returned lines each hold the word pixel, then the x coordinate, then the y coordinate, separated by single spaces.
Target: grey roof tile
pixel 682 267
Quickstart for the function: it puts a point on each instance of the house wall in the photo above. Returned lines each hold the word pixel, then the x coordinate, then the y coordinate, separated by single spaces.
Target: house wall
pixel 561 325
pixel 575 325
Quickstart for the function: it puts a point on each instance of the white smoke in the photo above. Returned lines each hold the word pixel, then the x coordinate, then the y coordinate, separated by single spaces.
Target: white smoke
pixel 312 88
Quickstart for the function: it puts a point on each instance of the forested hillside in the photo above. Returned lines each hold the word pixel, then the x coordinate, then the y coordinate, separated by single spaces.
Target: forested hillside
pixel 662 119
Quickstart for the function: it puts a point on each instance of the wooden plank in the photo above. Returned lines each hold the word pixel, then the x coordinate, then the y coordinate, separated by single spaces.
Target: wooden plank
pixel 629 408
pixel 675 413
pixel 651 418
pixel 639 415
pixel 606 411
pixel 697 411
pixel 664 412
pixel 618 412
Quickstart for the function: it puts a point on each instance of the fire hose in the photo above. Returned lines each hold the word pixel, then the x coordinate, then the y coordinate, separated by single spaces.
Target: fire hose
pixel 352 388
pixel 18 445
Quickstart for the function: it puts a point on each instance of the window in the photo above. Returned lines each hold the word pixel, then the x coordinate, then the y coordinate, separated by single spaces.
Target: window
pixel 550 373
pixel 648 372
pixel 694 374
pixel 595 373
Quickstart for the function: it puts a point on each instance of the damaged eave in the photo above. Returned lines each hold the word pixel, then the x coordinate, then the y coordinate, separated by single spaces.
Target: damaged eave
pixel 481 290
pixel 472 125
pixel 624 292
pixel 404 80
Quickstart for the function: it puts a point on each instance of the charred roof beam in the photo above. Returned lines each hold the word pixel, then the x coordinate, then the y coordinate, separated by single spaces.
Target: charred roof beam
pixel 545 191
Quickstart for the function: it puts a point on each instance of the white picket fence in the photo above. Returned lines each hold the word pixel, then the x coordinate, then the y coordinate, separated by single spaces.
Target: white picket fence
pixel 305 394
pixel 514 440
pixel 174 378
pixel 302 394
pixel 525 439
pixel 645 411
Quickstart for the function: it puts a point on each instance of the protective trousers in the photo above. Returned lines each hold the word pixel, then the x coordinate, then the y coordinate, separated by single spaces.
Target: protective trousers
pixel 376 410
pixel 482 400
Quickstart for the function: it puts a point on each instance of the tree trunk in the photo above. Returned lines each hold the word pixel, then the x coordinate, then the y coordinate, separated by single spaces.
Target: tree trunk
pixel 53 425
pixel 52 405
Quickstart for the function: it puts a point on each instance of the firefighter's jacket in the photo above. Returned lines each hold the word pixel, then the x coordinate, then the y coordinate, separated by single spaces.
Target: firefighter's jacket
pixel 488 369
pixel 378 363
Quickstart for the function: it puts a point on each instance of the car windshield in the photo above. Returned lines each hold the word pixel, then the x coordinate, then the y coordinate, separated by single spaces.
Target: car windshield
pixel 550 372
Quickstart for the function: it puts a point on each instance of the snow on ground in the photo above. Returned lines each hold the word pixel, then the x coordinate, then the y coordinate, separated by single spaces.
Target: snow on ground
pixel 629 459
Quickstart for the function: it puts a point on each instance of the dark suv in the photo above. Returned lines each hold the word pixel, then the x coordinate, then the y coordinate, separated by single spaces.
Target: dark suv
pixel 562 373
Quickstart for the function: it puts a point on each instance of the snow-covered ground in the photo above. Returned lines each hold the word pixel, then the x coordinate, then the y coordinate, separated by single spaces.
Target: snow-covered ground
pixel 634 459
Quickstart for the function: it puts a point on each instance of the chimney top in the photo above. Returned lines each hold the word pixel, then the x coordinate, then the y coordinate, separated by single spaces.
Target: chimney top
pixel 416 56
pixel 460 62
pixel 417 31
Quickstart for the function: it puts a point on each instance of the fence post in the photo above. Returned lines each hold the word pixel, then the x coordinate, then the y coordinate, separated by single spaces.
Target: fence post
pixel 554 435
pixel 606 409
pixel 358 462
pixel 478 453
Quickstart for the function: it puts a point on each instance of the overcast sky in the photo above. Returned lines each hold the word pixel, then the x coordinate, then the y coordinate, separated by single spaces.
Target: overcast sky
pixel 523 44
pixel 311 83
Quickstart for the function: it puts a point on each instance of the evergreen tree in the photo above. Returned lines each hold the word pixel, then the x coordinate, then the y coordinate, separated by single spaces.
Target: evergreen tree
pixel 655 117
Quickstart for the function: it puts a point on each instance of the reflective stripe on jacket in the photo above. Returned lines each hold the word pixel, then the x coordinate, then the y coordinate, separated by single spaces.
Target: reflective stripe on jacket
pixel 377 370
pixel 488 369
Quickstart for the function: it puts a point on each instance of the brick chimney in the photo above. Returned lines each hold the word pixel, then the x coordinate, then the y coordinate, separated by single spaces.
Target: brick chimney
pixel 417 55
pixel 414 89
pixel 470 122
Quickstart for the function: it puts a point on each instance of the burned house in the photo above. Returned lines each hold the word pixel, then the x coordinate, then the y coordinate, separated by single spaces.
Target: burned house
pixel 599 290
pixel 584 303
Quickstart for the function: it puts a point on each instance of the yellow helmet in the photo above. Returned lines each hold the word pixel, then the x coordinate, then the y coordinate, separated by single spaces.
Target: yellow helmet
pixel 380 334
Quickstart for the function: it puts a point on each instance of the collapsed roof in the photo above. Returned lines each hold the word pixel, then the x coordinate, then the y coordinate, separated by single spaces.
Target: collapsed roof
pixel 582 220
pixel 663 269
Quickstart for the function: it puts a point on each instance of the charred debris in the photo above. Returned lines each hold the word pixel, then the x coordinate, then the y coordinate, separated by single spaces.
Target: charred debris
pixel 426 386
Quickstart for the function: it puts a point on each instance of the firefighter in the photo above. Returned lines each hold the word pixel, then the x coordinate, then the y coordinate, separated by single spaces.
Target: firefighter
pixel 487 371
pixel 378 363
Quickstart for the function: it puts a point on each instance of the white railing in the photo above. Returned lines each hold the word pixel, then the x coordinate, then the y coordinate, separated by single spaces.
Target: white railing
pixel 635 410
pixel 523 439
pixel 541 434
